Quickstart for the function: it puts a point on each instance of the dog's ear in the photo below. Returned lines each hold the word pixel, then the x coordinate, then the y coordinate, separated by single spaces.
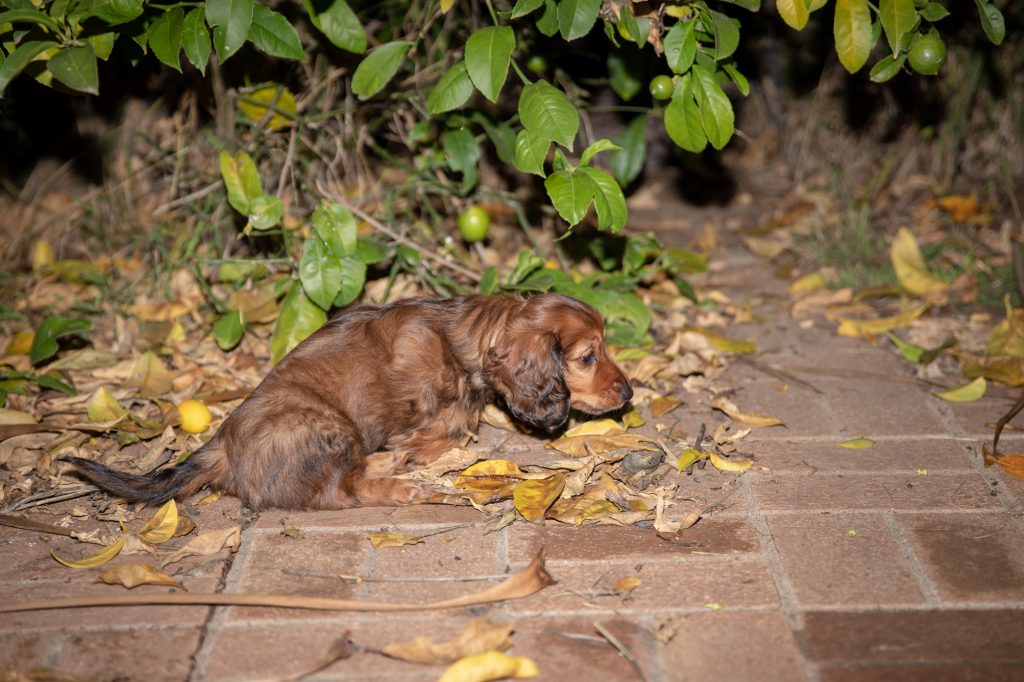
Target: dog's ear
pixel 526 371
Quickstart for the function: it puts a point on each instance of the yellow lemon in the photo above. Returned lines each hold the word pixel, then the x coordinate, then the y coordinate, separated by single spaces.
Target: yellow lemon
pixel 195 417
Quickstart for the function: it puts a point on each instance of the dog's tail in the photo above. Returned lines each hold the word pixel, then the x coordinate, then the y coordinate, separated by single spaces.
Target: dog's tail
pixel 178 481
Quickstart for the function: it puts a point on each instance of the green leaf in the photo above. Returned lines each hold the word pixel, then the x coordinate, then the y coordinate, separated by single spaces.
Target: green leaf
pixel 546 112
pixel 452 91
pixel 597 147
pixel 577 17
pixel 44 344
pixel 370 251
pixel 75 67
pixel 629 24
pixel 933 12
pixel 241 180
pixel 271 32
pixel 501 135
pixel 320 272
pixel 31 16
pixel 229 329
pixel 887 68
pixel 716 114
pixel 488 53
pixel 898 17
pixel 230 20
pixel 164 37
pixel 531 152
pixel 116 12
pixel 196 39
pixel 102 44
pixel 738 78
pixel 353 278
pixel 682 119
pixel 622 70
pixel 609 201
pixel 628 161
pixel 793 12
pixel 378 68
pixel 992 22
pixel 680 45
pixel 265 212
pixel 54 384
pixel 852 31
pixel 548 22
pixel 489 281
pixel 336 226
pixel 752 5
pixel 910 352
pixel 299 318
pixel 20 58
pixel 524 7
pixel 336 20
pixel 571 194
pixel 727 35
pixel 462 152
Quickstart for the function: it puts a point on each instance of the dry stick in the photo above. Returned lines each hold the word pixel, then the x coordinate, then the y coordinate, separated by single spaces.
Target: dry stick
pixel 529 581
pixel 378 225
pixel 29 524
pixel 49 497
pixel 622 649
pixel 1004 420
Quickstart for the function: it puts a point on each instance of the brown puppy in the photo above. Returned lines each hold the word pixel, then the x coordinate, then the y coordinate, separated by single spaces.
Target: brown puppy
pixel 380 387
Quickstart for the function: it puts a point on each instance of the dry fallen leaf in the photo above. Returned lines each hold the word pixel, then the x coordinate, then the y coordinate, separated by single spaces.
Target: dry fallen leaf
pixel 857 443
pixel 210 542
pixel 595 427
pixel 633 419
pixel 98 559
pixel 724 464
pixel 532 498
pixel 911 270
pixel 627 584
pixel 134 574
pixel 162 526
pixel 750 419
pixel 580 446
pixel 384 540
pixel 103 407
pixel 150 375
pixel 478 637
pixel 490 665
pixel 871 328
pixel 490 475
pixel 663 405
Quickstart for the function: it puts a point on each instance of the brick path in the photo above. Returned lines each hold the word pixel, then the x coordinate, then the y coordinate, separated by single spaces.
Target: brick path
pixel 772 586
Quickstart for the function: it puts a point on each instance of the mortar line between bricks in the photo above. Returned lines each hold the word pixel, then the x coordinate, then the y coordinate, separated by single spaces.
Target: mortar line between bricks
pixel 943 511
pixel 879 438
pixel 923 582
pixel 787 597
pixel 211 629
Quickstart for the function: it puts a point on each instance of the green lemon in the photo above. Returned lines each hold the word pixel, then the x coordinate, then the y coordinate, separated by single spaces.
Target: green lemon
pixel 661 87
pixel 474 223
pixel 927 55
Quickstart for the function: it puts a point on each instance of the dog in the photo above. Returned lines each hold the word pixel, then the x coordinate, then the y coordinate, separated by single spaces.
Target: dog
pixel 382 387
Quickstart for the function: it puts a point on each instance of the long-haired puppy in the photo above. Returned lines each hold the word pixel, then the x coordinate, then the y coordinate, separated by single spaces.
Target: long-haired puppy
pixel 380 387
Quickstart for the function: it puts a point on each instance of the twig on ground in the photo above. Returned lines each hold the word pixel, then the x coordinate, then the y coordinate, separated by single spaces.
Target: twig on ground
pixel 29 524
pixel 622 649
pixel 1004 420
pixel 50 497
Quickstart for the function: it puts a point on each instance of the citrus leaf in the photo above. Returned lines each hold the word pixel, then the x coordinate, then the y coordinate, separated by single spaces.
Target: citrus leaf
pixel 571 194
pixel 378 68
pixel 241 180
pixel 748 418
pixel 967 393
pixel 716 114
pixel 116 11
pixel 724 464
pixel 595 427
pixel 992 22
pixel 256 106
pixel 336 20
pixel 680 45
pixel 546 112
pixel 727 34
pixel 299 318
pixel 577 17
pixel 933 12
pixel 488 54
pixel 30 15
pixel 320 272
pixel 887 68
pixel 910 267
pixel 533 497
pixel 150 375
pixel 98 559
pixel 597 147
pixel 231 20
pixel 164 36
pixel 208 543
pixel 879 325
pixel 664 404
pixel 531 152
pixel 628 161
pixel 161 526
pixel 353 278
pixel 195 38
pixel 857 443
pixel 852 33
pixel 683 121
pixel 265 212
pixel 21 57
pixel 793 12
pixel 134 574
pixel 44 343
pixel 103 407
pixel 75 67
pixel 688 458
pixel 229 329
pixel 272 33
pixel 623 67
pixel 898 17
pixel 524 7
pixel 909 351
pixel 609 201
pixel 452 91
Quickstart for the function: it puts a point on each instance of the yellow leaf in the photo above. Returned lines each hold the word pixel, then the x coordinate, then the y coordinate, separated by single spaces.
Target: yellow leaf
pixel 633 419
pixel 256 105
pixel 880 325
pixel 966 393
pixel 532 498
pixel 8 416
pixel 911 270
pixel 664 404
pixel 576 510
pixel 207 543
pixel 98 559
pixel 103 407
pixel 688 458
pixel 162 526
pixel 384 540
pixel 490 665
pixel 478 637
pixel 630 354
pixel 750 419
pixel 446 5
pixel 793 12
pixel 724 464
pixel 723 343
pixel 809 282
pixel 42 255
pixel 490 474
pixel 135 574
pixel 595 427
pixel 1008 336
pixel 20 343
pixel 857 443
pixel 961 206
pixel 627 584
pixel 209 499
pixel 150 376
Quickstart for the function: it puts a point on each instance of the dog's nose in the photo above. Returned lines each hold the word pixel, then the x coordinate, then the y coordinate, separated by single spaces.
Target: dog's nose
pixel 626 391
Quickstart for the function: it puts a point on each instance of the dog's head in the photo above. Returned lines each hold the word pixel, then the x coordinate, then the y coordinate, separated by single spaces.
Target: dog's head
pixel 553 356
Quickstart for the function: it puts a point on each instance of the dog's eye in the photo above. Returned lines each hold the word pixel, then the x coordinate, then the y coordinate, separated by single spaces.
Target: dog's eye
pixel 588 359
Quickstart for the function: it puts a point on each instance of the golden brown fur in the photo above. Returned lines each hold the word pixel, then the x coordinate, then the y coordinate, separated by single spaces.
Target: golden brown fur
pixel 382 387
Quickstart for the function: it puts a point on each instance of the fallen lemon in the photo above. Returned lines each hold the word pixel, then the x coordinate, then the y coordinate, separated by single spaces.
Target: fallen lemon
pixel 195 417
